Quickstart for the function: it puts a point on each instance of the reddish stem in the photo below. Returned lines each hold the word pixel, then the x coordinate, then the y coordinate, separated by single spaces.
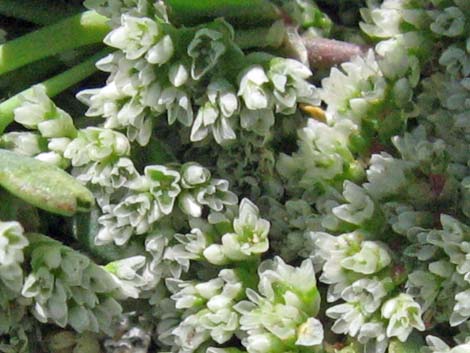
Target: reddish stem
pixel 323 52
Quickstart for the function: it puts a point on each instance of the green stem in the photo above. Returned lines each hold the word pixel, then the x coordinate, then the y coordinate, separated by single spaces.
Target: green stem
pixel 74 32
pixel 26 76
pixel 37 11
pixel 53 86
pixel 237 11
pixel 261 37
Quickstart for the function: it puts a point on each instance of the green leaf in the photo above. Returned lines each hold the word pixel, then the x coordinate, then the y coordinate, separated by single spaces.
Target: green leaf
pixel 43 185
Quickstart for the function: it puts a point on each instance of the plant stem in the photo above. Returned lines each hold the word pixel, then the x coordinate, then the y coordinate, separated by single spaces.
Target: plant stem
pixel 325 53
pixel 261 37
pixel 37 11
pixel 238 11
pixel 83 29
pixel 53 86
pixel 317 52
pixel 26 76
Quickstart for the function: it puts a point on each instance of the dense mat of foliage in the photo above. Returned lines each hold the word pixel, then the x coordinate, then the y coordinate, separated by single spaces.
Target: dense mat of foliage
pixel 235 176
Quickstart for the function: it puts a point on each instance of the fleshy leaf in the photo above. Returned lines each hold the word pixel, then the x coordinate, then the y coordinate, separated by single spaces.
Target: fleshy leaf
pixel 43 185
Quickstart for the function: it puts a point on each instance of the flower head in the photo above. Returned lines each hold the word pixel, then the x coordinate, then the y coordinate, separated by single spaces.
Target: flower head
pixel 139 36
pixel 205 50
pixel 164 186
pixel 404 314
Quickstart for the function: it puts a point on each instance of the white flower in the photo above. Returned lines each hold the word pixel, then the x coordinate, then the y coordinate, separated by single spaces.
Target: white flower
pixel 386 175
pixel 125 274
pixel 161 52
pixel 219 316
pixel 164 186
pixel 96 145
pixel 216 195
pixel 289 78
pixel 194 242
pixel 178 74
pixel 38 284
pixel 53 158
pixel 260 343
pixel 138 210
pixel 178 104
pixel 193 175
pixel 371 258
pixel 299 280
pixel 384 21
pixel 372 335
pixel 206 116
pixel 349 318
pixel 58 144
pixel 213 115
pixel 38 111
pixel 221 323
pixel 344 253
pixel 250 235
pixel 188 204
pixel 12 243
pixel 214 253
pixel 189 294
pixel 251 88
pixel 366 293
pixel 34 108
pixel 112 231
pixel 353 89
pixel 222 93
pixel 104 101
pixel 461 311
pixel 190 334
pixel 323 154
pixel 310 333
pixel 205 50
pixel 139 36
pixel 404 314
pixel 27 143
pixel 360 207
pixel 121 173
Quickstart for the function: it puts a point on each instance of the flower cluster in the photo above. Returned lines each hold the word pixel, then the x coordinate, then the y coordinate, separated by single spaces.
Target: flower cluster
pixel 135 95
pixel 66 288
pixel 282 314
pixel 12 245
pixel 155 194
pixel 363 182
pixel 55 128
pixel 208 310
